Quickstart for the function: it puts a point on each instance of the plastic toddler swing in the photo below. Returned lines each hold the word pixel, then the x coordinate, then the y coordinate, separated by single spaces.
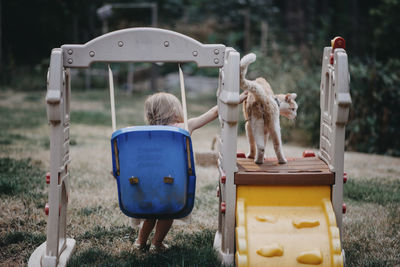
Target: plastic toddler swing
pixel 154 167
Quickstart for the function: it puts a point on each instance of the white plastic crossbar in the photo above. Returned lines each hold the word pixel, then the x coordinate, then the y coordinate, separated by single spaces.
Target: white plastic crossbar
pixel 143 45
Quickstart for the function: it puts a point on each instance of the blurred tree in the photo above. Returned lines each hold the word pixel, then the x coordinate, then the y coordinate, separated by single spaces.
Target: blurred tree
pixel 385 39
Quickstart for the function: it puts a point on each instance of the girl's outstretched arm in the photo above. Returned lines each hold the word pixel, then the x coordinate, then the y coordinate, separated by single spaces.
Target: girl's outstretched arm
pixel 212 114
pixel 203 119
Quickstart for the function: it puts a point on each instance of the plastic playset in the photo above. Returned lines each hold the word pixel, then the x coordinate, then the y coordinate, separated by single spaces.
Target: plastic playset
pixel 269 215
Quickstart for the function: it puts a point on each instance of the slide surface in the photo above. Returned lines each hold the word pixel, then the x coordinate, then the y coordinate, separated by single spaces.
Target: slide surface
pixel 286 226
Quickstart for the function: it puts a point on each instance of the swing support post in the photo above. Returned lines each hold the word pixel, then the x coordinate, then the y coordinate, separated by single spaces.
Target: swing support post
pixel 228 112
pixel 58 248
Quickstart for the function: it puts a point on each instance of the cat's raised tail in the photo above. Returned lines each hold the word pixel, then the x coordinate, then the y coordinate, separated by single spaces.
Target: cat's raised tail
pixel 248 85
pixel 245 62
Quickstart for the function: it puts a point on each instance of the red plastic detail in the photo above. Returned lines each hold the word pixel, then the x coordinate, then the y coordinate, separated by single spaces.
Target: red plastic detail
pixel 46 209
pixel 345 177
pixel 240 154
pixel 308 154
pixel 48 178
pixel 338 42
pixel 223 207
pixel 344 208
pixel 223 179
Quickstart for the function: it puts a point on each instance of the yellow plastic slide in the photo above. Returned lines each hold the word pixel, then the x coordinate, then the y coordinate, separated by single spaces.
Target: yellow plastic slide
pixel 286 226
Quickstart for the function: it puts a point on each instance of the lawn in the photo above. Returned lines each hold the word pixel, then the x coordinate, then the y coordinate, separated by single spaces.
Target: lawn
pixel 104 235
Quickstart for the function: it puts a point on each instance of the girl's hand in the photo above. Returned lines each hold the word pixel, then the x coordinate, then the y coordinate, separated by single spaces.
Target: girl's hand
pixel 243 96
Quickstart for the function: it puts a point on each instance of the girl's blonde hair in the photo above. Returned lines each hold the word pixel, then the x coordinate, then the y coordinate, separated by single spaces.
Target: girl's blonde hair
pixel 163 109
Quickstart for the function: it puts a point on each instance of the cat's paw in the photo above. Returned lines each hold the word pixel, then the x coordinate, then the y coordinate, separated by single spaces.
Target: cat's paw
pixel 282 161
pixel 260 156
pixel 259 160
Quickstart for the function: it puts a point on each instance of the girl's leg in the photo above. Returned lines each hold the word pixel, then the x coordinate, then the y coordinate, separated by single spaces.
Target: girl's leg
pixel 162 229
pixel 145 231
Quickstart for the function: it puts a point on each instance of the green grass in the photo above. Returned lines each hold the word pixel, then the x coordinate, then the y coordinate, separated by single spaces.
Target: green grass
pixel 86 211
pixel 90 117
pixel 380 191
pixel 35 97
pixel 129 108
pixel 23 179
pixel 371 241
pixel 7 138
pixel 21 243
pixel 21 237
pixel 372 236
pixel 91 95
pixel 186 250
pixel 20 177
pixel 22 118
pixel 100 118
pixel 210 188
pixel 105 234
pixel 371 226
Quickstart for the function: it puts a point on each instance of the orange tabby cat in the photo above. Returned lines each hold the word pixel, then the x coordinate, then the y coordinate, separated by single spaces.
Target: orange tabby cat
pixel 261 111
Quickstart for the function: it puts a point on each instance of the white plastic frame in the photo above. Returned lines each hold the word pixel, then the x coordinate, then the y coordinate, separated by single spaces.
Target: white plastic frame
pixel 228 110
pixel 335 105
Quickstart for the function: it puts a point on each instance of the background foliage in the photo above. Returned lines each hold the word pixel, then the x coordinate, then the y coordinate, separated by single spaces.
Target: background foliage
pixel 290 56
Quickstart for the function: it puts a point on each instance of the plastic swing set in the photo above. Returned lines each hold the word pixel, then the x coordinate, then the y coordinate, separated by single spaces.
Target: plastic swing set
pixel 269 214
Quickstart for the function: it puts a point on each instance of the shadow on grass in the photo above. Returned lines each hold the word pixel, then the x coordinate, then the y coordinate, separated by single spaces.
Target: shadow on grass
pixel 22 238
pixel 17 244
pixel 187 250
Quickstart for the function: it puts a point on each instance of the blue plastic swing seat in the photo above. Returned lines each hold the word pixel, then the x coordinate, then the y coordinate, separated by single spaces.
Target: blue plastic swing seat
pixel 154 170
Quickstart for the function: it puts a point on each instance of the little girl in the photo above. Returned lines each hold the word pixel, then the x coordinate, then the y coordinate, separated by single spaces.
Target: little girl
pixel 166 109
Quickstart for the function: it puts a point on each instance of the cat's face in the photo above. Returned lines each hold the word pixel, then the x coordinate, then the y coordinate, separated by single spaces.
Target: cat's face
pixel 288 107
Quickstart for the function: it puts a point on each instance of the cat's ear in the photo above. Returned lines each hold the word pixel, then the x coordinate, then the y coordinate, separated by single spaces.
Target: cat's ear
pixel 288 97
